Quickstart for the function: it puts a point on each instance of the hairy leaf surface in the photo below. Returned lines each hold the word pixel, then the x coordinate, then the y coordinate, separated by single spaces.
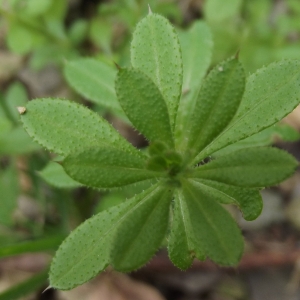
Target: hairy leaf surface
pixel 248 200
pixel 216 105
pixel 142 231
pixel 196 46
pixel 264 103
pixel 86 251
pixel 155 50
pixel 94 80
pixel 250 167
pixel 107 168
pixel 214 228
pixel 183 246
pixel 65 127
pixel 144 105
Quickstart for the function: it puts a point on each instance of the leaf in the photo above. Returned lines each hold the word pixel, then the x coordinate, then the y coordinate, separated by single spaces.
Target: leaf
pixel 9 193
pixel 264 103
pixel 55 175
pixel 216 105
pixel 183 246
pixel 142 231
pixel 64 127
pixel 20 290
pixel 144 105
pixel 196 46
pixel 107 168
pixel 16 95
pixel 17 142
pixel 214 228
pixel 266 137
pixel 249 167
pixel 248 200
pixel 86 251
pixel 219 10
pixel 94 80
pixel 45 243
pixel 155 50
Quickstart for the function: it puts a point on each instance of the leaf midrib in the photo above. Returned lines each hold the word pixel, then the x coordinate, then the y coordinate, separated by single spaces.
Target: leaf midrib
pixel 106 234
pixel 210 222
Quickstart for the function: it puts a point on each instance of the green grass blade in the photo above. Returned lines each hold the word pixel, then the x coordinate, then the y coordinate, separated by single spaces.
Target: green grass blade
pixel 26 287
pixel 250 167
pixel 42 244
pixel 144 105
pixel 93 79
pixel 155 50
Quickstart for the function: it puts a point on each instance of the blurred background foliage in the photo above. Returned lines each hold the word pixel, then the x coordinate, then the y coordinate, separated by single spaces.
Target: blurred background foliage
pixel 43 43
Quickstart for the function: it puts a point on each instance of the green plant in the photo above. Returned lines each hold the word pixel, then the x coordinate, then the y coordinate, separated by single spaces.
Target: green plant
pixel 38 28
pixel 188 175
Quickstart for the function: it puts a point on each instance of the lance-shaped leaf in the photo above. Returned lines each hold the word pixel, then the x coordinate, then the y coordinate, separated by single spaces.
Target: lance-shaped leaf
pixel 142 231
pixel 144 105
pixel 54 174
pixel 107 168
pixel 196 47
pixel 63 127
pixel 183 246
pixel 250 167
pixel 248 200
pixel 214 228
pixel 270 94
pixel 86 251
pixel 155 50
pixel 94 80
pixel 217 103
pixel 267 137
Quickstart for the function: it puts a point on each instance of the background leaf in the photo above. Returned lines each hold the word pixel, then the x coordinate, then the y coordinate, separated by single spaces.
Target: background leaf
pixel 264 103
pixel 250 167
pixel 219 10
pixel 144 105
pixel 94 80
pixel 155 50
pixel 55 175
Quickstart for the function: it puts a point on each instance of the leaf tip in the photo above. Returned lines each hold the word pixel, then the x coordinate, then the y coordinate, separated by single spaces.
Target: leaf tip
pixel 117 66
pixel 149 10
pixel 237 55
pixel 46 289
